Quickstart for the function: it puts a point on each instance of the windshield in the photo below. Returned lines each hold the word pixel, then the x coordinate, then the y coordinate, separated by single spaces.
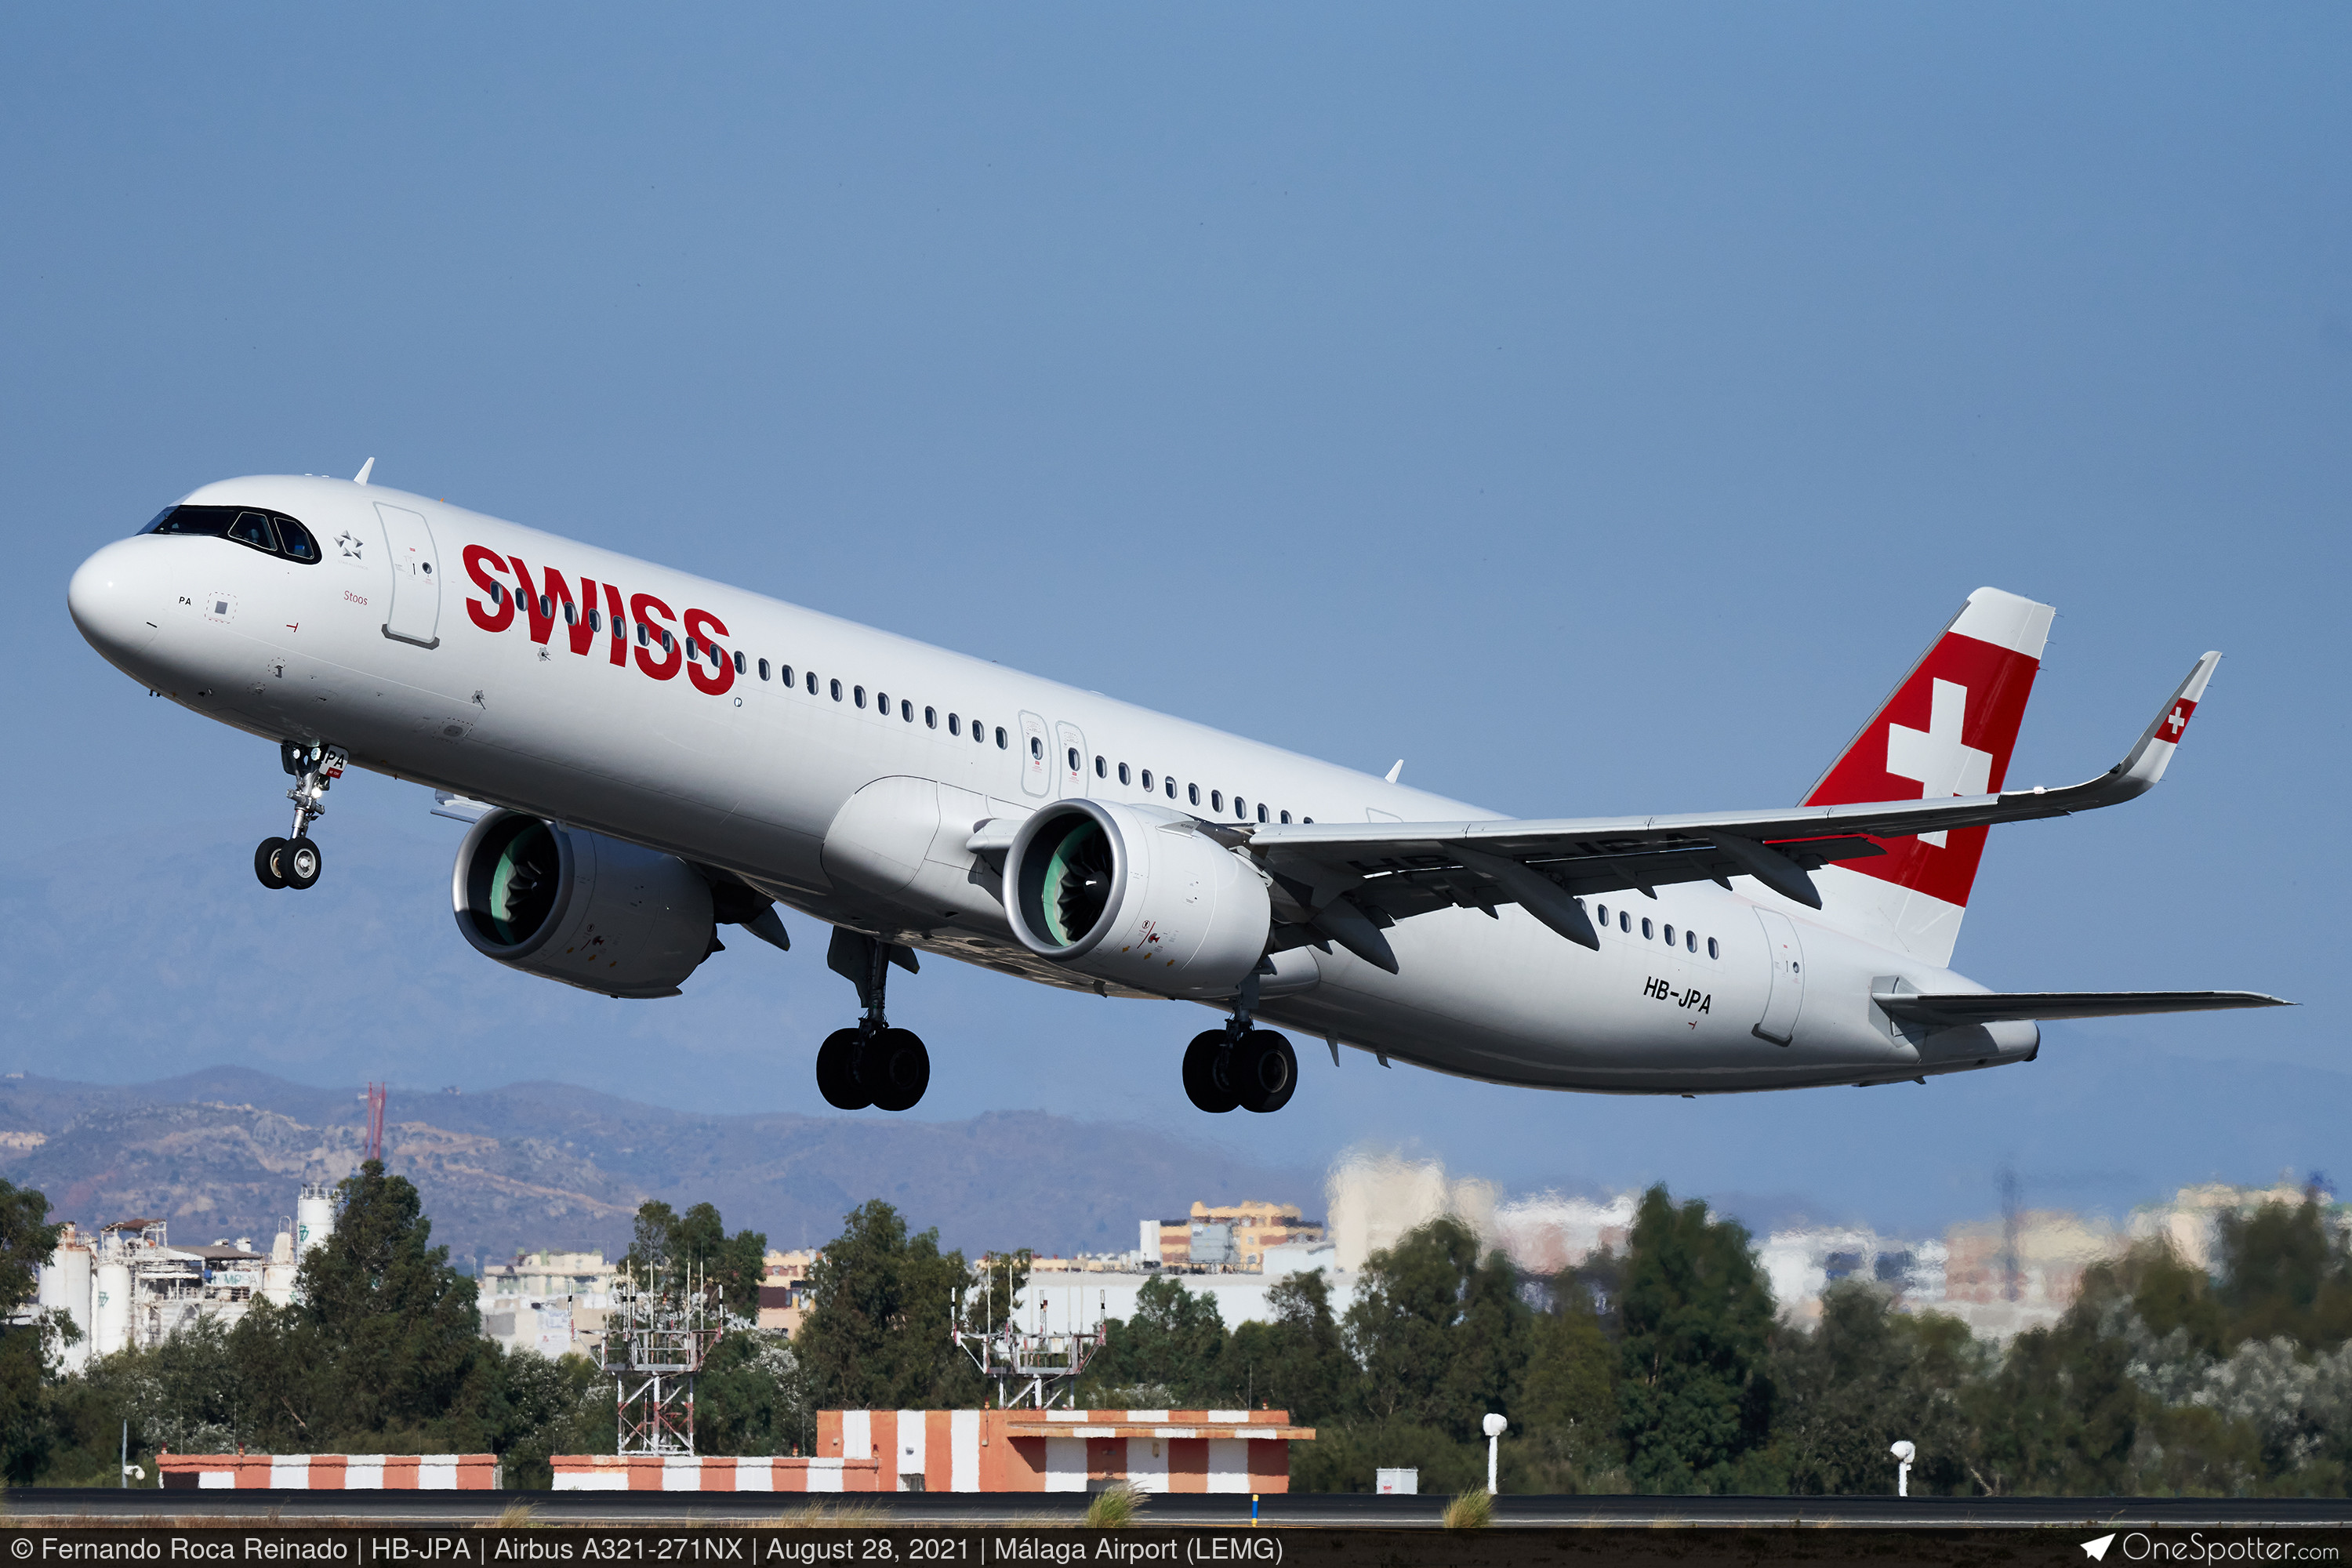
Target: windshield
pixel 272 533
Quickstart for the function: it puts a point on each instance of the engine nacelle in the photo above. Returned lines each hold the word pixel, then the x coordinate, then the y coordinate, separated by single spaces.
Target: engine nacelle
pixel 1137 896
pixel 592 911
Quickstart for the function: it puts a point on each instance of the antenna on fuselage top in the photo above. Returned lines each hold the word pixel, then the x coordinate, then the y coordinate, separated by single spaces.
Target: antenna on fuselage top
pixel 1396 770
pixel 365 469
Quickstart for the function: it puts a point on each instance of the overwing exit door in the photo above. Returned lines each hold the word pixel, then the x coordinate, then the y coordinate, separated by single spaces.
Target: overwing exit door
pixel 414 613
pixel 1778 1024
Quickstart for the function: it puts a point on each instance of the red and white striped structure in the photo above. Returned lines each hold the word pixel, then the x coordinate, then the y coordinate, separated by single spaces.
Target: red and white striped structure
pixel 333 1472
pixel 712 1473
pixel 1067 1450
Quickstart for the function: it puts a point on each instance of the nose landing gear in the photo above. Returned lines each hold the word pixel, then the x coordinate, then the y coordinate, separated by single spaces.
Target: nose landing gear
pixel 295 862
pixel 1239 1067
pixel 871 1064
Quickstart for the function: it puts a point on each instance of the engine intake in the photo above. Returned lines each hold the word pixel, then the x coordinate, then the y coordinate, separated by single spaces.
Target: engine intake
pixel 600 913
pixel 1138 895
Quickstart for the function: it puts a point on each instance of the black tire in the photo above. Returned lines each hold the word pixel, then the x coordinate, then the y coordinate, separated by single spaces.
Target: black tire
pixel 301 862
pixel 836 1071
pixel 1264 1070
pixel 267 857
pixel 1208 1077
pixel 897 1069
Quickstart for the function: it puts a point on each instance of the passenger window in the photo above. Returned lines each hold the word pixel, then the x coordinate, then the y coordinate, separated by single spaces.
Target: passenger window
pixel 1604 914
pixel 1261 812
pixel 498 593
pixel 1191 792
pixel 1217 800
pixel 764 669
pixel 811 683
pixel 1625 923
pixel 571 616
pixel 645 636
pixel 836 688
pixel 1072 758
pixel 857 695
pixel 253 528
pixel 546 610
pixel 1170 784
pixel 881 701
pixel 1712 950
pixel 1036 749
pixel 1101 771
pixel 297 540
pixel 906 712
pixel 596 622
pixel 1003 740
pixel 738 662
pixel 930 717
pixel 1670 936
pixel 1123 777
pixel 1690 940
pixel 955 724
pixel 1303 820
pixel 1285 817
pixel 1646 932
pixel 979 736
pixel 1147 779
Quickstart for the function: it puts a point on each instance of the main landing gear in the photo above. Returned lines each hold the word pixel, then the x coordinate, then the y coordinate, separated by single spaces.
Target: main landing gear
pixel 1239 1067
pixel 295 861
pixel 872 1063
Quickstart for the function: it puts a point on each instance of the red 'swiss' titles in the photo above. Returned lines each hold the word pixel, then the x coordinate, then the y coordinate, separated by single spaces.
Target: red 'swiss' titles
pixel 547 600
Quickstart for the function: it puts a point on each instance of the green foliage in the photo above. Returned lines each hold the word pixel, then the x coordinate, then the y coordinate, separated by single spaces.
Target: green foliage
pixel 2285 1276
pixel 1695 1395
pixel 1175 1341
pixel 876 1333
pixel 27 1241
pixel 1440 1333
pixel 667 1243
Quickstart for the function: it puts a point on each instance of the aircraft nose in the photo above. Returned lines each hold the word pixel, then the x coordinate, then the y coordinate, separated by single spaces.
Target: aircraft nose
pixel 111 601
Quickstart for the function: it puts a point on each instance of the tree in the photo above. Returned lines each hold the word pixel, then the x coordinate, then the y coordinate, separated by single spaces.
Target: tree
pixel 1567 1409
pixel 1175 1341
pixel 876 1333
pixel 1438 1333
pixel 667 1243
pixel 27 1242
pixel 1693 1397
pixel 2283 1273
pixel 390 1333
pixel 1300 1364
pixel 1866 1377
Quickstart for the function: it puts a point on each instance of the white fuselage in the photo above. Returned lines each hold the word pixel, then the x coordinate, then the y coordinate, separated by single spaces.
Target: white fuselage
pixel 858 817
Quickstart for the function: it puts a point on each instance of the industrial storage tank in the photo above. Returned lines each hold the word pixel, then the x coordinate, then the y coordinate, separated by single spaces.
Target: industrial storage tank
pixel 314 1216
pixel 112 1308
pixel 66 1283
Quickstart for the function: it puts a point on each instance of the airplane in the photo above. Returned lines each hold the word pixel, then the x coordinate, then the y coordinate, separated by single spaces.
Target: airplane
pixel 645 756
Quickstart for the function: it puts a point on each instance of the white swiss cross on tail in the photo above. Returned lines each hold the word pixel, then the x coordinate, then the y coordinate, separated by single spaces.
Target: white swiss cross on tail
pixel 2176 723
pixel 1935 758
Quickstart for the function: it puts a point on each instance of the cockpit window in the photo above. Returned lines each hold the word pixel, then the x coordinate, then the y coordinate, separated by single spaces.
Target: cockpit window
pixel 298 545
pixel 272 533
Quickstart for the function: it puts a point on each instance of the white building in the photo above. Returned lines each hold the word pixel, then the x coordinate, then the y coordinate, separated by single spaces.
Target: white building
pixel 128 1288
pixel 548 1301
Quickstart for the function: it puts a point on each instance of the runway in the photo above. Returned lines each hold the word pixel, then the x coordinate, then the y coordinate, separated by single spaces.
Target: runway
pixel 65 1508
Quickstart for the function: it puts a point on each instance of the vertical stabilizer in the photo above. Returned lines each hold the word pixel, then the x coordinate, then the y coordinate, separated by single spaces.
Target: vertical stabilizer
pixel 1947 729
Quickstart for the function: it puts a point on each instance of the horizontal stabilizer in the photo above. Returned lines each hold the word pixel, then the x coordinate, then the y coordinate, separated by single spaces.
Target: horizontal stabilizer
pixel 2044 1007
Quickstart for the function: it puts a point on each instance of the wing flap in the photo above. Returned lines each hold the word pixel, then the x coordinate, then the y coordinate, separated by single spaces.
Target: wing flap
pixel 2049 1006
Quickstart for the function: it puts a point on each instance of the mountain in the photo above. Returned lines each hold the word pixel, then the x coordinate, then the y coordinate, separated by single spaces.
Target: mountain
pixel 220 1154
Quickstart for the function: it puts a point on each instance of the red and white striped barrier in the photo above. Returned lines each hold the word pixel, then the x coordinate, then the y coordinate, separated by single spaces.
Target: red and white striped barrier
pixel 333 1472
pixel 1067 1450
pixel 701 1473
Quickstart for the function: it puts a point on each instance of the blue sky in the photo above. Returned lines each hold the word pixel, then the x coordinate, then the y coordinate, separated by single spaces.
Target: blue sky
pixel 1597 408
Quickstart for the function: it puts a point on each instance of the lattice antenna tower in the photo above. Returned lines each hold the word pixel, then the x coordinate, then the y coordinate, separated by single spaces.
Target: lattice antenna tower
pixel 373 1149
pixel 658 1332
pixel 1034 1364
pixel 2012 1277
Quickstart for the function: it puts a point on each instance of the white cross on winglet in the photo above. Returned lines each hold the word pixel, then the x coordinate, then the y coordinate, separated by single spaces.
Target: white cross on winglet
pixel 1934 757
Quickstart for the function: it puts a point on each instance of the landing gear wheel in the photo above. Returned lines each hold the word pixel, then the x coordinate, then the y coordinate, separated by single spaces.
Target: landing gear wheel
pixel 895 1068
pixel 269 860
pixel 302 863
pixel 836 1071
pixel 1264 1071
pixel 1208 1073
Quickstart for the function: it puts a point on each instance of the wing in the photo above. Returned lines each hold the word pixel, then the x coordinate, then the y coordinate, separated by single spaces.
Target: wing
pixel 2001 1006
pixel 1345 882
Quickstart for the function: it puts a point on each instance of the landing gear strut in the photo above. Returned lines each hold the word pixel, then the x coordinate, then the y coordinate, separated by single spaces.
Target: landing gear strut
pixel 295 861
pixel 871 1064
pixel 1240 1067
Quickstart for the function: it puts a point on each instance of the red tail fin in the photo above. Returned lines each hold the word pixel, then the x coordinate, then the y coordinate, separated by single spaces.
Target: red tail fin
pixel 1947 729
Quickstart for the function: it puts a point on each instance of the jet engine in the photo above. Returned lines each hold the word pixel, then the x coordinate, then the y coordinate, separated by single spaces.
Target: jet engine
pixel 1138 895
pixel 592 911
